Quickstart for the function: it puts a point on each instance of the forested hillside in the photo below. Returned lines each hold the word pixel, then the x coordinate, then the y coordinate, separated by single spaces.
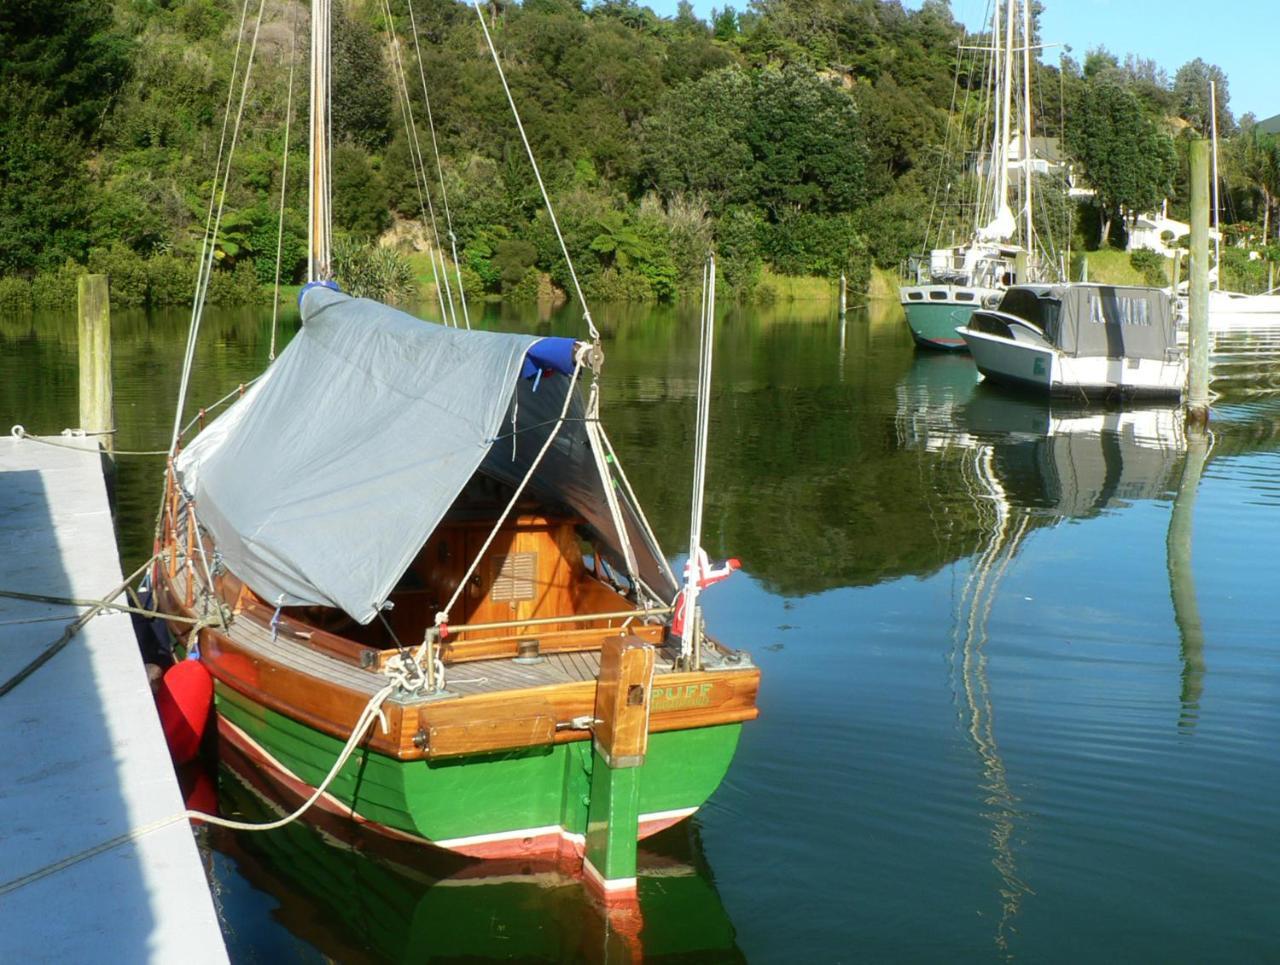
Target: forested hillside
pixel 800 137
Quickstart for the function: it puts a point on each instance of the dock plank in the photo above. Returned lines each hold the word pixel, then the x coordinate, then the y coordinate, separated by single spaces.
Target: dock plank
pixel 85 761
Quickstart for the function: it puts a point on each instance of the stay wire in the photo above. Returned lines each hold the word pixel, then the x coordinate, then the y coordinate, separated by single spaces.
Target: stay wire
pixel 564 248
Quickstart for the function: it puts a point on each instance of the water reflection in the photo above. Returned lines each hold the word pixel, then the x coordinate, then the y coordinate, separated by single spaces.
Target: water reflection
pixel 1025 464
pixel 357 898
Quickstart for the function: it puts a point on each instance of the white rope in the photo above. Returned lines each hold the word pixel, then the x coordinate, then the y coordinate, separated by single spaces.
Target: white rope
pixel 637 508
pixel 284 181
pixel 442 617
pixel 372 711
pixel 197 308
pixel 420 180
pixel 444 192
pixel 586 312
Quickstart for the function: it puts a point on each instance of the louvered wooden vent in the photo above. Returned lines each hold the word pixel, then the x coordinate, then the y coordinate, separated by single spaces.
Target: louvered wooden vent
pixel 514 577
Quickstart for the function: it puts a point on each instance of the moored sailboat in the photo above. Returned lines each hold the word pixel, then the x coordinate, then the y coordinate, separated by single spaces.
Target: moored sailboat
pixel 427 594
pixel 951 282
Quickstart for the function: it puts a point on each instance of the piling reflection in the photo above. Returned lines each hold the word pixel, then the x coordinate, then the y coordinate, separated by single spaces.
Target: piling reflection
pixel 361 898
pixel 1027 464
pixel 1182 582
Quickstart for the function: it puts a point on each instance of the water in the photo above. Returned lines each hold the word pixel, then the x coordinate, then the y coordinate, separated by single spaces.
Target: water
pixel 1021 685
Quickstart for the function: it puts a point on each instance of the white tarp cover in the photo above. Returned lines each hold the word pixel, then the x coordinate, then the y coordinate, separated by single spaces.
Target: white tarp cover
pixel 322 483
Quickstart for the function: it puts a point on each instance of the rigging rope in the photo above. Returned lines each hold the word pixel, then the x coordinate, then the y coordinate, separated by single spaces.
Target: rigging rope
pixel 284 181
pixel 197 308
pixel 586 312
pixel 444 193
pixel 442 617
pixel 420 180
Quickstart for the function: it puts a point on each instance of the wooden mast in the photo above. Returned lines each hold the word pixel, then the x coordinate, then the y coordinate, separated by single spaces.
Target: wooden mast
pixel 318 189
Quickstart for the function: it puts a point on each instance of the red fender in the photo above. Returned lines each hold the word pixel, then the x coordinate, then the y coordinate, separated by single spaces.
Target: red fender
pixel 183 701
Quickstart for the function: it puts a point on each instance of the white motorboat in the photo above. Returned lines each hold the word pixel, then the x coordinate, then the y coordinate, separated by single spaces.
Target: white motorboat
pixel 1080 339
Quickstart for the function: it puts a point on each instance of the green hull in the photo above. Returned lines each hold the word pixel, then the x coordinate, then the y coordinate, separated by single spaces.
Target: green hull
pixel 934 325
pixel 544 790
pixel 353 906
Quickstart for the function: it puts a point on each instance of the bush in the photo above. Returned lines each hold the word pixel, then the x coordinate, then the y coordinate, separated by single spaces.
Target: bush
pixel 1152 266
pixel 171 280
pixel 15 296
pixel 237 287
pixel 526 290
pixel 370 271
pixel 126 274
pixel 56 289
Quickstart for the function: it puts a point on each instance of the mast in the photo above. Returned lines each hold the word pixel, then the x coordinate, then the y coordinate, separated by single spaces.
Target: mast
pixel 1217 232
pixel 318 192
pixel 1005 110
pixel 997 156
pixel 1026 120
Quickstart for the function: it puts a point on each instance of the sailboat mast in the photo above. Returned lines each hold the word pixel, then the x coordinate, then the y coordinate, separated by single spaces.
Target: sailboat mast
pixel 1217 232
pixel 318 192
pixel 997 156
pixel 1005 110
pixel 1026 120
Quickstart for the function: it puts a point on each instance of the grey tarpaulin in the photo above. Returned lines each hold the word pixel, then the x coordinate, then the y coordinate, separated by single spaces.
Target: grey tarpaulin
pixel 1112 321
pixel 322 483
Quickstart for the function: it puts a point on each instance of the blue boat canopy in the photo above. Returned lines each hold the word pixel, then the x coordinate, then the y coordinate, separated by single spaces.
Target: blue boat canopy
pixel 323 483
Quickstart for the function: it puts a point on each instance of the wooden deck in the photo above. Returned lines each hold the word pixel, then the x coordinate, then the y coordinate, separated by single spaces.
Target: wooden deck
pixel 84 763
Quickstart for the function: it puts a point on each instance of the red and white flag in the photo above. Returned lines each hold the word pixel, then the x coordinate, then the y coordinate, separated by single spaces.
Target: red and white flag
pixel 704 575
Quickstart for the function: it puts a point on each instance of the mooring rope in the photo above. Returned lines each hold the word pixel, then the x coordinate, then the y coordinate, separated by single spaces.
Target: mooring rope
pixel 372 711
pixel 76 625
pixel 20 432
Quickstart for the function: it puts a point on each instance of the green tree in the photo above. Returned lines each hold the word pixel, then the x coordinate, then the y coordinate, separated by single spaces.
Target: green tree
pixel 360 200
pixel 44 188
pixel 1191 96
pixel 1122 151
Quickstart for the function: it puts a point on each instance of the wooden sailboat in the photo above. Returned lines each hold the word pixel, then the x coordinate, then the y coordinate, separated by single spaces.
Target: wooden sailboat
pixel 425 589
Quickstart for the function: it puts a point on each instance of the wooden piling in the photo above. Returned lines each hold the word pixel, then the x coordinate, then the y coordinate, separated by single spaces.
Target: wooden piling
pixel 97 413
pixel 844 296
pixel 618 749
pixel 1198 290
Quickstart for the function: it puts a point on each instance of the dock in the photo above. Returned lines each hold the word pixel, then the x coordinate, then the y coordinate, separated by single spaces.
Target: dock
pixel 93 866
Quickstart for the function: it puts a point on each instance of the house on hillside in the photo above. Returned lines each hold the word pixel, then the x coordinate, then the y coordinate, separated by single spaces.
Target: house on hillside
pixel 1156 231
pixel 1045 156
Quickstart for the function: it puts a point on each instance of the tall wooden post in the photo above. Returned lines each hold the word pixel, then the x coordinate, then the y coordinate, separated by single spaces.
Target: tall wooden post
pixel 1198 293
pixel 618 748
pixel 96 404
pixel 844 296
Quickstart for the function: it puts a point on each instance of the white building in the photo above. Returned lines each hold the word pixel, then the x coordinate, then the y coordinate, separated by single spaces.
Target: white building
pixel 1148 230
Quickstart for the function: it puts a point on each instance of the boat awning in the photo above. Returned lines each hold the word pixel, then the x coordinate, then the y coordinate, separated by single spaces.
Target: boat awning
pixel 1113 321
pixel 322 484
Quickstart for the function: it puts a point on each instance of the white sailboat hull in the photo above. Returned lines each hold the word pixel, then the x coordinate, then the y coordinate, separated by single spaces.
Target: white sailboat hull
pixel 1039 367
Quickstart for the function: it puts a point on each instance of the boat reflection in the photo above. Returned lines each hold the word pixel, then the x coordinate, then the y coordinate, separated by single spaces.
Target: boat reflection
pixel 357 898
pixel 1029 464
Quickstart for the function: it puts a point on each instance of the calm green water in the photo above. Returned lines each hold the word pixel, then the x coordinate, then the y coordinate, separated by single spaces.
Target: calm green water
pixel 1022 672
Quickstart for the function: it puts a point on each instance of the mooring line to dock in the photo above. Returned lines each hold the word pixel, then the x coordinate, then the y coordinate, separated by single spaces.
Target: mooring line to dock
pixel 20 432
pixel 76 625
pixel 372 712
